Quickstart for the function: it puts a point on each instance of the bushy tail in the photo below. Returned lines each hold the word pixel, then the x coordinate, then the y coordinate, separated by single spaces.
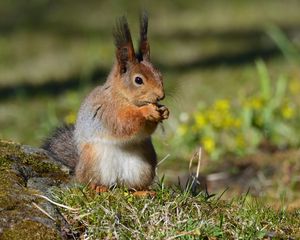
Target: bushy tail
pixel 61 146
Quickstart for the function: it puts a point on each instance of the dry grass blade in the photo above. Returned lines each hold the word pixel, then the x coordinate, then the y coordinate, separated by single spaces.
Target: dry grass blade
pixel 43 211
pixel 199 162
pixel 190 233
pixel 199 154
pixel 160 162
pixel 57 204
pixel 164 159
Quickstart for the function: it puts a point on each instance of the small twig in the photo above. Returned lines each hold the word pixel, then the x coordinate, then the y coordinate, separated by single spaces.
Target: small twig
pixel 43 211
pixel 57 204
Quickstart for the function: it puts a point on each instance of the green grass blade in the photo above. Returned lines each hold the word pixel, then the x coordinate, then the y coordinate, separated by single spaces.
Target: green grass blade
pixel 288 49
pixel 265 82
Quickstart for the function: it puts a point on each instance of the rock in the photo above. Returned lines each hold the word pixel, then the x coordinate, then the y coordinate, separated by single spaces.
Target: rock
pixel 26 172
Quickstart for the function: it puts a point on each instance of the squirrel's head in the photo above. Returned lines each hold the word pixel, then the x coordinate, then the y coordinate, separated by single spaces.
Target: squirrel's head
pixel 138 80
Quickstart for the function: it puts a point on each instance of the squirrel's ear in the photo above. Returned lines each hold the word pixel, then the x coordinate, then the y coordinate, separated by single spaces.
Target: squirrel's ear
pixel 125 51
pixel 144 48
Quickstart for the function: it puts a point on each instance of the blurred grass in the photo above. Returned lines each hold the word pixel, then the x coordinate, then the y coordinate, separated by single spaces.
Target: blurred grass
pixel 63 38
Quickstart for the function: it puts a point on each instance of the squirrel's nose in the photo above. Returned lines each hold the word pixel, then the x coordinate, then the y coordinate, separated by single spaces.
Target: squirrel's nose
pixel 161 96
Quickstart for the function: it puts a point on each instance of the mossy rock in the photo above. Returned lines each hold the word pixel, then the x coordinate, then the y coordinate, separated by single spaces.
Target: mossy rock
pixel 25 173
pixel 30 230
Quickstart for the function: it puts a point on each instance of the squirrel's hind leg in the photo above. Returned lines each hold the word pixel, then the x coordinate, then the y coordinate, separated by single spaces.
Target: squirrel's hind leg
pixel 86 165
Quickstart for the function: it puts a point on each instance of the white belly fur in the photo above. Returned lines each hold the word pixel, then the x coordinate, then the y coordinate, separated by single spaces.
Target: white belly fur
pixel 116 165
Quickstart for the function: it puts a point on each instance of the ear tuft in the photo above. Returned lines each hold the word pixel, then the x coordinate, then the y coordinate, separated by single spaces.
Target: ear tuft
pixel 144 48
pixel 121 32
pixel 123 42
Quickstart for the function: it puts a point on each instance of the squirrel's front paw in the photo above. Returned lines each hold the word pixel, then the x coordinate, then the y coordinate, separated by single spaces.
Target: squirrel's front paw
pixel 151 113
pixel 154 113
pixel 164 112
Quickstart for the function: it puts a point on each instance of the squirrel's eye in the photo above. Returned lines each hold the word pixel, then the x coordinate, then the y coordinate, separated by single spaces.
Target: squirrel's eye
pixel 138 80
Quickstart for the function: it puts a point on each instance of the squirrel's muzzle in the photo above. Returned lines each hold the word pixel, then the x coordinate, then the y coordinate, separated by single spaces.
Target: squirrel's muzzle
pixel 160 95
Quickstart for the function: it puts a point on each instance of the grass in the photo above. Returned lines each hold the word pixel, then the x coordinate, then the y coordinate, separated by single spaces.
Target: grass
pixel 173 214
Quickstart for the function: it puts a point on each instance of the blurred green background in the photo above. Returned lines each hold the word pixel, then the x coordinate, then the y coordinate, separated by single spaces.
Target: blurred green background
pixel 52 53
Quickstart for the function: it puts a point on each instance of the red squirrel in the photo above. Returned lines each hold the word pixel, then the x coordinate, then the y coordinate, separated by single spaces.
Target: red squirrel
pixel 111 141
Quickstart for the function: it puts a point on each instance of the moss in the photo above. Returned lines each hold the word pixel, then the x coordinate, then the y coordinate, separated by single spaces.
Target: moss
pixel 10 188
pixel 7 148
pixel 35 161
pixel 4 163
pixel 16 203
pixel 10 151
pixel 30 230
pixel 13 184
pixel 18 216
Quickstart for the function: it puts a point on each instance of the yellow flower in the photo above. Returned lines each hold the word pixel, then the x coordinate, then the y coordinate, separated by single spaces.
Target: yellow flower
pixel 70 118
pixel 182 129
pixel 209 144
pixel 221 105
pixel 255 103
pixel 215 118
pixel 294 86
pixel 228 120
pixel 200 120
pixel 287 112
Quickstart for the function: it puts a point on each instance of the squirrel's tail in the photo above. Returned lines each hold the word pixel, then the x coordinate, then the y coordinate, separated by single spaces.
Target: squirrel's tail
pixel 61 146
